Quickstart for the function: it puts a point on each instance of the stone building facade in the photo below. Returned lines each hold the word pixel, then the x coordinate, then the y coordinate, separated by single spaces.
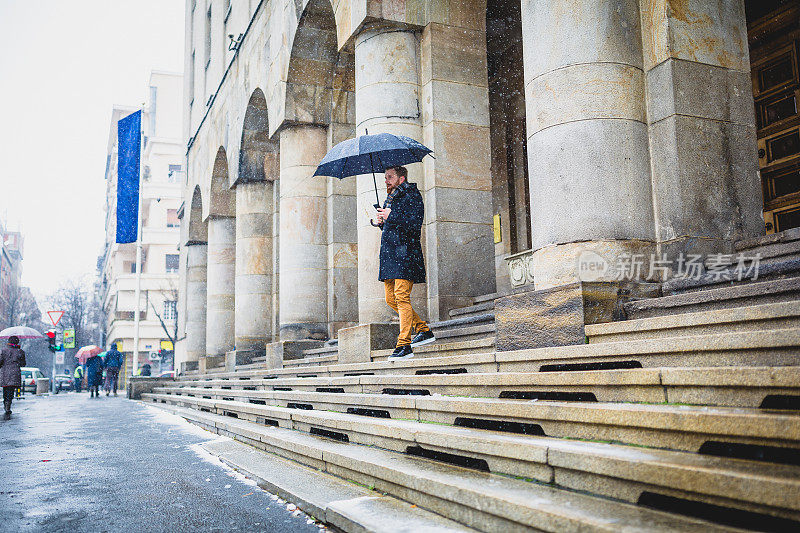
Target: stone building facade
pixel 161 189
pixel 558 128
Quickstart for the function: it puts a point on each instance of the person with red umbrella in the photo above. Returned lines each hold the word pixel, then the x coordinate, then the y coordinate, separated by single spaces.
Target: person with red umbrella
pixel 12 358
pixel 89 356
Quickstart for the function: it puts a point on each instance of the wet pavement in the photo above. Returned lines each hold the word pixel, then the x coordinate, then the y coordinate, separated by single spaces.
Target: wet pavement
pixel 71 463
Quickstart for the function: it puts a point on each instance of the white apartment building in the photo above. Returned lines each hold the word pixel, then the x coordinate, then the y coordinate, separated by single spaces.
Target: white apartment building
pixel 161 187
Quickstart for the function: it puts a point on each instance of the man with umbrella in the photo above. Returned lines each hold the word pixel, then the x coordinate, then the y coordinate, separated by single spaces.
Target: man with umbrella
pixel 400 219
pixel 401 259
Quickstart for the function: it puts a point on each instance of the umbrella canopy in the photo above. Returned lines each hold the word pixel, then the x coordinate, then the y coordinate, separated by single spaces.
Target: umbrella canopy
pixel 371 153
pixel 23 332
pixel 86 352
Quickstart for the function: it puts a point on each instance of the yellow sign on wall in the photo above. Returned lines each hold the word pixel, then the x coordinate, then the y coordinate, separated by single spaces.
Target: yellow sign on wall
pixel 498 236
pixel 166 345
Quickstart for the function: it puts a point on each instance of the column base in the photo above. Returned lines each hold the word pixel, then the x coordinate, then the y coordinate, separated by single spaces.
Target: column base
pixel 357 343
pixel 296 332
pixel 210 362
pixel 556 316
pixel 189 366
pixel 277 352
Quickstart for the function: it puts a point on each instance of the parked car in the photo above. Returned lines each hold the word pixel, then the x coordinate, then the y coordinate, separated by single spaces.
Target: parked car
pixel 63 382
pixel 167 374
pixel 29 376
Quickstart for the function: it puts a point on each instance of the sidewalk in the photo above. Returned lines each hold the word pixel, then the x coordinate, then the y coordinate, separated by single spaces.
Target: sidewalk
pixel 71 463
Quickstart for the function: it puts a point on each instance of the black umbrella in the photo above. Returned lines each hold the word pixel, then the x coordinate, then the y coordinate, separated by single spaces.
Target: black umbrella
pixel 371 153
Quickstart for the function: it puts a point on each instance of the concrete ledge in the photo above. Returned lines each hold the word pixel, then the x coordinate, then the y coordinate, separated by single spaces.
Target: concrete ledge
pixel 356 344
pixel 557 316
pixel 138 385
pixel 278 352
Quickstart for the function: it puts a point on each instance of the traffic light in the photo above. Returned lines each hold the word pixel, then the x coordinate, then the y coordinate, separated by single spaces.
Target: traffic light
pixel 51 340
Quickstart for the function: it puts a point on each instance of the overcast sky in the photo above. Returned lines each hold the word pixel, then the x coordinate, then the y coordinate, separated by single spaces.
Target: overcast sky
pixel 63 64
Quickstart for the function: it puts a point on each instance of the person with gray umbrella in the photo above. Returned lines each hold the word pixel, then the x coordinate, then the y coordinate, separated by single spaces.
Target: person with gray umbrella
pixel 12 358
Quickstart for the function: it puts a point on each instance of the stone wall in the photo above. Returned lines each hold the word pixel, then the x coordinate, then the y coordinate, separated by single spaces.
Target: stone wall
pixel 626 151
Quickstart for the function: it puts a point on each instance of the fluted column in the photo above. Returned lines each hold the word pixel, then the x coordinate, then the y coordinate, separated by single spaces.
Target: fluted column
pixel 589 165
pixel 303 276
pixel 197 257
pixel 221 273
pixel 387 100
pixel 253 265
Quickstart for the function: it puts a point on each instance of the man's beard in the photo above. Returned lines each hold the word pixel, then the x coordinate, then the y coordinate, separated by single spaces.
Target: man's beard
pixel 389 189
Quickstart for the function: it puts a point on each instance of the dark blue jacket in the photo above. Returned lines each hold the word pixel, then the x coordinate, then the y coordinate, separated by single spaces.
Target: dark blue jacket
pixel 94 370
pixel 113 359
pixel 401 251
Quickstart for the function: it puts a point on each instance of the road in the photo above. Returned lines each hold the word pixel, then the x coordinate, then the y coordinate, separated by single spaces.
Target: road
pixel 71 463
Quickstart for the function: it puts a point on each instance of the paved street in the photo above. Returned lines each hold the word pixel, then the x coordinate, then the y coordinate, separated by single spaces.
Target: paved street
pixel 71 463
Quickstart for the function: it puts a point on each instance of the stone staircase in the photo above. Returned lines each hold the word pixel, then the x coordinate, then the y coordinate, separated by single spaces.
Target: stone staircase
pixel 685 417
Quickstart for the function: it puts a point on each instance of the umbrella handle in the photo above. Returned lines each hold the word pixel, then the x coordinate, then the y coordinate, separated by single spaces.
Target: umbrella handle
pixel 374 181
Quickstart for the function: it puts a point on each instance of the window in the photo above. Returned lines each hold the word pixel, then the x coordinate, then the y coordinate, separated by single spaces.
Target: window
pixel 172 219
pixel 172 262
pixel 208 38
pixel 170 310
pixel 152 112
pixel 174 173
pixel 191 79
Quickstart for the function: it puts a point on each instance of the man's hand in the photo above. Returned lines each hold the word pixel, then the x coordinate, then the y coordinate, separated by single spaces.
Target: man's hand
pixel 383 214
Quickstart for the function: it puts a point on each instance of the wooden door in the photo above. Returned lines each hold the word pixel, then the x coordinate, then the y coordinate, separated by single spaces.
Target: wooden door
pixel 774 39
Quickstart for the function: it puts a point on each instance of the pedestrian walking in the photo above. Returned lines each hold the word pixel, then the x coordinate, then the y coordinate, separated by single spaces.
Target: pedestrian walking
pixel 78 376
pixel 94 375
pixel 12 358
pixel 401 260
pixel 113 362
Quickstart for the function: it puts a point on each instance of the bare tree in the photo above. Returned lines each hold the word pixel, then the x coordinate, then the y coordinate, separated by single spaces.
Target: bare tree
pixel 170 294
pixel 21 309
pixel 73 297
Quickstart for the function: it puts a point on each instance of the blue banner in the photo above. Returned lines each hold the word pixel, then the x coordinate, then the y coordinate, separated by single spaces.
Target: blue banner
pixel 129 150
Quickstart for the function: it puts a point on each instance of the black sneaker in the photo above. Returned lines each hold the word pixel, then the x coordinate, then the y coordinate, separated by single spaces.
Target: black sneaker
pixel 402 352
pixel 423 337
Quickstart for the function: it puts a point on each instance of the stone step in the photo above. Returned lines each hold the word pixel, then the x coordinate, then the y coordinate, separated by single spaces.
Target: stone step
pixel 319 352
pixel 761 292
pixel 750 348
pixel 466 333
pixel 311 360
pixel 678 427
pixel 781 315
pixel 744 349
pixel 484 318
pixel 439 348
pixel 485 298
pixel 339 503
pixel 784 236
pixel 728 278
pixel 472 310
pixel 609 470
pixel 765 254
pixel 482 500
pixel 766 387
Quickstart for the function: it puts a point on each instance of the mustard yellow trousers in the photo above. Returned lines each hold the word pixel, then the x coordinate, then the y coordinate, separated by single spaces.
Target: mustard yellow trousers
pixel 398 296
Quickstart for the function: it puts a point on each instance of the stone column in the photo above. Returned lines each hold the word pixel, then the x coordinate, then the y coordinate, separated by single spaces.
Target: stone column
pixel 303 235
pixel 589 166
pixel 220 309
pixel 253 266
pixel 458 182
pixel 706 187
pixel 387 100
pixel 197 258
